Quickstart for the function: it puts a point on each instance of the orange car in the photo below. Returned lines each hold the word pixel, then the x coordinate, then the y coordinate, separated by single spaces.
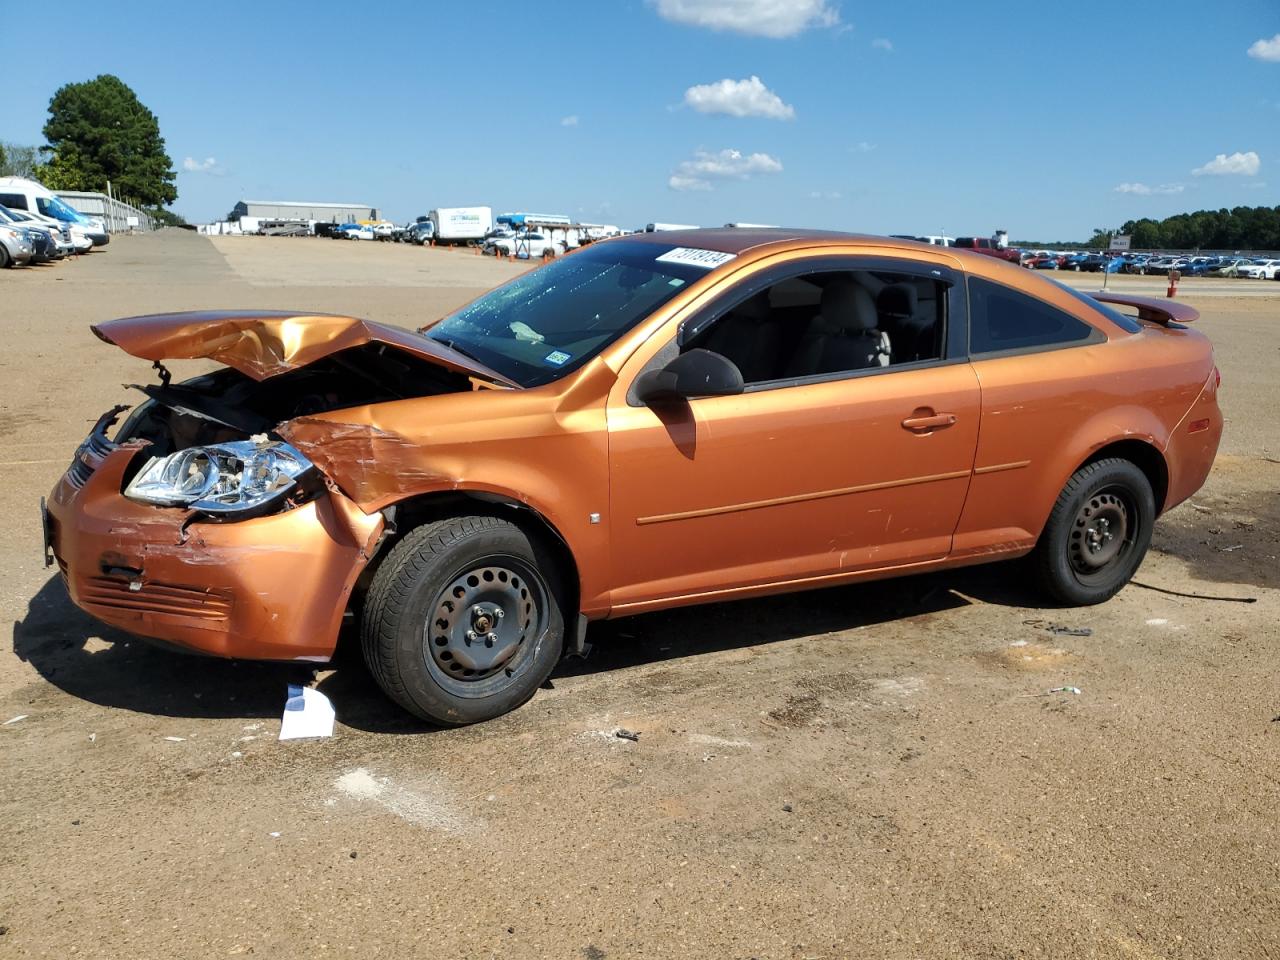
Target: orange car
pixel 657 420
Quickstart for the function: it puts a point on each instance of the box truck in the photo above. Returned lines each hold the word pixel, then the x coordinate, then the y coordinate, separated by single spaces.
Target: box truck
pixel 461 224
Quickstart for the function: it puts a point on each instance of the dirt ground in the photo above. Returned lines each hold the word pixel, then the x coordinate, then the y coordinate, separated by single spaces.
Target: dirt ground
pixel 870 771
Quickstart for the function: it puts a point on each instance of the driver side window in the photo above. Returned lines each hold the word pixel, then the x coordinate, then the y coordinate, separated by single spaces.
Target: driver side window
pixel 827 323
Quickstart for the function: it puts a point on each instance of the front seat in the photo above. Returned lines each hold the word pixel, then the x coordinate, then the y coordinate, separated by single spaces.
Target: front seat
pixel 750 337
pixel 900 318
pixel 843 336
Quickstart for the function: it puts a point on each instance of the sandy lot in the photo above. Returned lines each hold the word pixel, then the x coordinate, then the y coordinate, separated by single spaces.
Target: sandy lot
pixel 871 771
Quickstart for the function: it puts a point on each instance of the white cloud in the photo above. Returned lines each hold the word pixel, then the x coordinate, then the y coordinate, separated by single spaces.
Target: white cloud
pixel 207 165
pixel 829 195
pixel 880 43
pixel 1238 164
pixel 569 121
pixel 862 147
pixel 739 98
pixel 761 18
pixel 1142 190
pixel 705 167
pixel 1268 50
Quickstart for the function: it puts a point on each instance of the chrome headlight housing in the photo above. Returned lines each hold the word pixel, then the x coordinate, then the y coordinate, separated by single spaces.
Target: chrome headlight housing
pixel 222 478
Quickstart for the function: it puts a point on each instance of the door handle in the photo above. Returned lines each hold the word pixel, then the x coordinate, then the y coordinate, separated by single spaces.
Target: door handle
pixel 931 422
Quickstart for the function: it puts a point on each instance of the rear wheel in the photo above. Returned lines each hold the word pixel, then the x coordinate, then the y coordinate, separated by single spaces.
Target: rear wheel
pixel 5 259
pixel 463 621
pixel 1097 533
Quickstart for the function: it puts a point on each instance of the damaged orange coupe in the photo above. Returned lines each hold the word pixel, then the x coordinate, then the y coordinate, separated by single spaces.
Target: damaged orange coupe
pixel 657 420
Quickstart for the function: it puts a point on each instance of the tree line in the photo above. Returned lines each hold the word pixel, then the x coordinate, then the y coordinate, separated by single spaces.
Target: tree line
pixel 1240 228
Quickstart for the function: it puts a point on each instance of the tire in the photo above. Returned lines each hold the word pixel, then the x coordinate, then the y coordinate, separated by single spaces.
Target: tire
pixel 5 259
pixel 432 633
pixel 1097 533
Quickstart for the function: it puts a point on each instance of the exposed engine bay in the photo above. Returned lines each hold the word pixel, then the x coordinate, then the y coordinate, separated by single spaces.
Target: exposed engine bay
pixel 226 405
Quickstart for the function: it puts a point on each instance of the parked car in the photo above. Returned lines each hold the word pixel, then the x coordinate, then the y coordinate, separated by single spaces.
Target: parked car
pixel 1228 267
pixel 49 242
pixel 1091 262
pixel 1261 269
pixel 522 245
pixel 420 232
pixel 20 193
pixel 15 246
pixel 68 241
pixel 989 247
pixel 1043 260
pixel 642 438
pixel 359 231
pixel 1137 263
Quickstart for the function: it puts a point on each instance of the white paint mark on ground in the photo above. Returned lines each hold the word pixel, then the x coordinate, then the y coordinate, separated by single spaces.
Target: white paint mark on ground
pixel 431 810
pixel 898 687
pixel 1157 622
pixel 707 739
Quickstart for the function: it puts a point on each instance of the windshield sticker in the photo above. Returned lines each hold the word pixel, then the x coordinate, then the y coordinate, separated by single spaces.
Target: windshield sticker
pixel 557 357
pixel 707 259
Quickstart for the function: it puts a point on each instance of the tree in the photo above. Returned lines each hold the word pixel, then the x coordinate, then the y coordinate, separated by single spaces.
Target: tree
pixel 1101 238
pixel 18 160
pixel 98 131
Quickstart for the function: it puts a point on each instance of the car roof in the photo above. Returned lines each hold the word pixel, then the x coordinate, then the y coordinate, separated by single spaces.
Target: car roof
pixel 738 240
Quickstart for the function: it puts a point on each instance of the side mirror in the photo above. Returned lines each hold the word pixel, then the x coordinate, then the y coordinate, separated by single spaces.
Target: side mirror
pixel 696 373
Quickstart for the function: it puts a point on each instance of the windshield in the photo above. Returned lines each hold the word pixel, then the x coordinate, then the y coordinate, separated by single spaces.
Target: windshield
pixel 554 319
pixel 53 207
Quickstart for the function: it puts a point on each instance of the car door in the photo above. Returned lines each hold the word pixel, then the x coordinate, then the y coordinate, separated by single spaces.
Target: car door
pixel 803 478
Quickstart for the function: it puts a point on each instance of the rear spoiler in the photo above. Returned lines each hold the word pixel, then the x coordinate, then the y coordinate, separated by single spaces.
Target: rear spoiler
pixel 1151 309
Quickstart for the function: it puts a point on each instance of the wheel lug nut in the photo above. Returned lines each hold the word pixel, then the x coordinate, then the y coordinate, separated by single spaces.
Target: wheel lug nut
pixel 491 639
pixel 498 613
pixel 471 635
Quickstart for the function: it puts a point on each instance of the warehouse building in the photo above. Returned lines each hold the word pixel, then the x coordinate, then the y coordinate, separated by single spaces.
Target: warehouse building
pixel 290 210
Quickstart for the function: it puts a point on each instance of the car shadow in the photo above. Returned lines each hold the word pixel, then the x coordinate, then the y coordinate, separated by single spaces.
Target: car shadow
pixel 111 668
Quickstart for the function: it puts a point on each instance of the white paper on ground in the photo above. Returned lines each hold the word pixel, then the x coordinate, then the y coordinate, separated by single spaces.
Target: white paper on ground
pixel 307 713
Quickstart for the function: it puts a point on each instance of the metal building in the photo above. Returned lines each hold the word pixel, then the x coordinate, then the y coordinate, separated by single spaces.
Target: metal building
pixel 291 210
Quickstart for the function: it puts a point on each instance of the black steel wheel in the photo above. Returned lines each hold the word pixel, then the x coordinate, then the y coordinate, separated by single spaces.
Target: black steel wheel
pixel 1097 533
pixel 464 620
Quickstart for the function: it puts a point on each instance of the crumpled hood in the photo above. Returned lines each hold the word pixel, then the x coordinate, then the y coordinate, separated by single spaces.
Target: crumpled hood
pixel 266 343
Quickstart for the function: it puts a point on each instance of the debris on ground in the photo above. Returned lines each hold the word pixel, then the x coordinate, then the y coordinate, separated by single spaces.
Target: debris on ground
pixel 1058 629
pixel 307 713
pixel 624 734
pixel 786 808
pixel 176 739
pixel 21 716
pixel 1075 690
pixel 1193 596
pixel 1231 549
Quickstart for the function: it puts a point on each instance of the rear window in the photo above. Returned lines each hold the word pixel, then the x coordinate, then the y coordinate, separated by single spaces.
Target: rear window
pixel 15 201
pixel 1001 318
pixel 1108 311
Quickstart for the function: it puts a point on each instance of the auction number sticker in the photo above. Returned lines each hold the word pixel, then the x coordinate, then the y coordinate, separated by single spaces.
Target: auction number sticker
pixel 707 259
pixel 557 357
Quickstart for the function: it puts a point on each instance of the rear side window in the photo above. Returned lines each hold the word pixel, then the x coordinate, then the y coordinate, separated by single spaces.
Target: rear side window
pixel 1001 318
pixel 14 201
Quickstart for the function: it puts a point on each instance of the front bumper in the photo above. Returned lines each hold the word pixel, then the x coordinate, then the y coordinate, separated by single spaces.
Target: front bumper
pixel 269 588
pixel 99 239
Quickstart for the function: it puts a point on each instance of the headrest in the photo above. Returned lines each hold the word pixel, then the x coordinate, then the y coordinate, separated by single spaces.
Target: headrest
pixel 847 307
pixel 898 300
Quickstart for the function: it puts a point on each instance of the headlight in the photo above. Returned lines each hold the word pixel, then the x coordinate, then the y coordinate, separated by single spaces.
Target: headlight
pixel 225 478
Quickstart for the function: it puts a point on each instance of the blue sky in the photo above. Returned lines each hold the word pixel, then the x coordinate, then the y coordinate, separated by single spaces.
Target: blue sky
pixel 904 117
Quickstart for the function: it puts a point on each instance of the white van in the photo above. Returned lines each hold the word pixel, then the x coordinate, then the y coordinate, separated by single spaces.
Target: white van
pixel 19 193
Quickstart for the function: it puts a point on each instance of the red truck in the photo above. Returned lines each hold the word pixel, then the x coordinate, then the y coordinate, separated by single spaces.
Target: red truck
pixel 988 246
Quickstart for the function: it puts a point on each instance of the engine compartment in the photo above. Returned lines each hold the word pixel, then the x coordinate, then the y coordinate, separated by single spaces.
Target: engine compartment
pixel 227 405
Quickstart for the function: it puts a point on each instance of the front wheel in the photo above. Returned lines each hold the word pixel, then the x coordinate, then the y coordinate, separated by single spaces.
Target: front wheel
pixel 464 620
pixel 1097 533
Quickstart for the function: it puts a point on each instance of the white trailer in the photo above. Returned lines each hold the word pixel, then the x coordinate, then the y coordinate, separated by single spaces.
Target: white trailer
pixel 659 227
pixel 461 224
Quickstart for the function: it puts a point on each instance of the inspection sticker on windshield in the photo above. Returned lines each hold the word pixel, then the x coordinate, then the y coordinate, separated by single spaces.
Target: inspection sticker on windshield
pixel 707 259
pixel 558 357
